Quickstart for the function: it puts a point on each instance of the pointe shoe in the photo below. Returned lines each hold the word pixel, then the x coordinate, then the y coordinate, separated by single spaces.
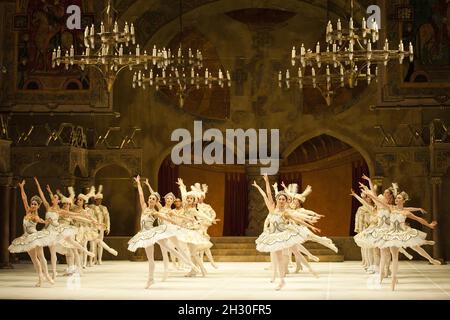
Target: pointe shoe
pixel 280 286
pixel 313 258
pixel 435 262
pixel 215 266
pixel 149 283
pixel 39 283
pixel 49 279
pixel 113 252
pixel 394 283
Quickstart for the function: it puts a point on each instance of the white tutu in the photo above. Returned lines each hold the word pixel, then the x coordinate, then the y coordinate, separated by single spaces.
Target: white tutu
pixel 26 242
pixel 146 238
pixel 279 235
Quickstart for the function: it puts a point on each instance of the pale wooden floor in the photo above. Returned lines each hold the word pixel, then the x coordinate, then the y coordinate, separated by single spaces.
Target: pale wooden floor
pixel 233 280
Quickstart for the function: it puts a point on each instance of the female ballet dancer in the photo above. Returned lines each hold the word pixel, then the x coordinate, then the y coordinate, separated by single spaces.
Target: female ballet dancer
pixel 197 243
pixel 63 232
pixel 33 241
pixel 149 235
pixel 400 235
pixel 278 234
pixel 307 221
pixel 179 231
pixel 207 217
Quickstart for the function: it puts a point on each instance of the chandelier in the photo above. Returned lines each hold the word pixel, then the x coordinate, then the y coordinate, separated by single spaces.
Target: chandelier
pixel 105 50
pixel 182 72
pixel 350 56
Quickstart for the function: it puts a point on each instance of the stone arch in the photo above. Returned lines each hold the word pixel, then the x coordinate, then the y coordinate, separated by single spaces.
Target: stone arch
pixel 101 167
pixel 344 138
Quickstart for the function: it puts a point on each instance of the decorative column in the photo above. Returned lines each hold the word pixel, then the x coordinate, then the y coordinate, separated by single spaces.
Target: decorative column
pixel 257 210
pixel 436 183
pixel 5 183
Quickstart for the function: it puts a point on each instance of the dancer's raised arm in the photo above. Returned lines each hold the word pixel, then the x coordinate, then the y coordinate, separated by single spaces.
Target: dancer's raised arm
pixel 268 189
pixel 24 195
pixel 183 190
pixel 269 204
pixel 141 193
pixel 41 194
pixel 410 215
pixel 361 200
pixel 371 186
pixel 293 217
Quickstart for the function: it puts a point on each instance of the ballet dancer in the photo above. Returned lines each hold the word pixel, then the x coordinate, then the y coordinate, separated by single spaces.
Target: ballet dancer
pixel 400 235
pixel 149 235
pixel 277 234
pixel 33 241
pixel 207 217
pixel 63 232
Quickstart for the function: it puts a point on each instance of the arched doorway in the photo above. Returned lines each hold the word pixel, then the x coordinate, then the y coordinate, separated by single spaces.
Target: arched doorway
pixel 332 167
pixel 118 197
pixel 227 192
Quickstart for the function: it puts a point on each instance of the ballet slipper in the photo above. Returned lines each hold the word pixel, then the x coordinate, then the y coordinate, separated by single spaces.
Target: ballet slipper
pixel 435 262
pixel 313 258
pixel 149 283
pixel 113 252
pixel 49 279
pixel 280 285
pixel 40 279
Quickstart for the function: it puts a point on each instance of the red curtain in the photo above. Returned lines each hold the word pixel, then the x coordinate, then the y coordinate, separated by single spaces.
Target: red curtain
pixel 290 177
pixel 359 168
pixel 236 204
pixel 167 178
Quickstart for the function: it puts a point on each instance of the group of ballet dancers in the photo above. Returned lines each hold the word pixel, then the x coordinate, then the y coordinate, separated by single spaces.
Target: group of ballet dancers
pixel 180 228
pixel 70 224
pixel 382 232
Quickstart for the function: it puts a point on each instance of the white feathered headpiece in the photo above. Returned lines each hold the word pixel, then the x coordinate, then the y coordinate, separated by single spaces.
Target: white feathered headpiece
pixel 68 199
pixel 99 194
pixel 395 189
pixel 304 194
pixel 87 196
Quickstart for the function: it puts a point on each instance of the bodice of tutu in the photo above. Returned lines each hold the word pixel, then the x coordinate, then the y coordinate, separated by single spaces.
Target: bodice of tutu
pixel 276 221
pixel 29 226
pixel 383 218
pixel 53 217
pixel 147 219
pixel 397 222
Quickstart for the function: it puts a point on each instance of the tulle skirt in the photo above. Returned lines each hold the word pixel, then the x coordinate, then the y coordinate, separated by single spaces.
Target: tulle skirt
pixel 28 241
pixel 147 238
pixel 280 240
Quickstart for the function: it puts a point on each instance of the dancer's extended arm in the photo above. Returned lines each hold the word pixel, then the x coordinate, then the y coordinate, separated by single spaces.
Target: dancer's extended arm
pixel 141 193
pixel 41 194
pixel 410 215
pixel 269 204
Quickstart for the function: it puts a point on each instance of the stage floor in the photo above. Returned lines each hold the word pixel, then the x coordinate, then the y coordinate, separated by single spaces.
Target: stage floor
pixel 233 280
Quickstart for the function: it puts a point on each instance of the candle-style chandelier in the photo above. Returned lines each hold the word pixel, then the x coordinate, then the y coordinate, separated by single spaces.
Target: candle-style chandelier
pixel 350 56
pixel 105 50
pixel 182 73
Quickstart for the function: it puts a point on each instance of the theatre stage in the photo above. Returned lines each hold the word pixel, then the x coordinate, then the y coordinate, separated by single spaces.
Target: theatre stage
pixel 233 280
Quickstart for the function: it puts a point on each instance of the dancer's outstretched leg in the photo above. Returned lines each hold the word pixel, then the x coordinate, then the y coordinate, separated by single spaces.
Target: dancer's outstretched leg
pixel 210 258
pixel 383 255
pixel 326 242
pixel 43 261
pixel 394 253
pixel 281 268
pixel 302 259
pixel 165 257
pixel 425 254
pixel 37 266
pixel 78 246
pixel 405 253
pixel 151 265
pixel 305 251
